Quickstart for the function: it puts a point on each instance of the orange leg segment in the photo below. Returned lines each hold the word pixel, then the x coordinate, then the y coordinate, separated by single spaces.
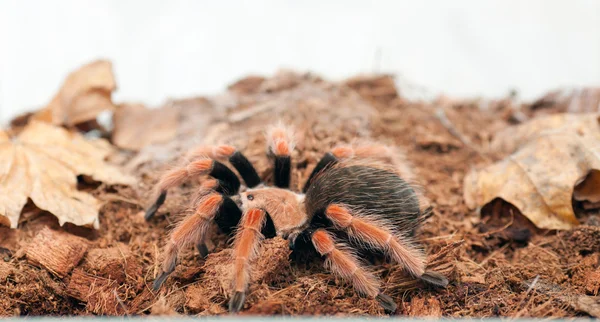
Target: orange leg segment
pixel 198 167
pixel 343 263
pixel 376 236
pixel 247 242
pixel 191 230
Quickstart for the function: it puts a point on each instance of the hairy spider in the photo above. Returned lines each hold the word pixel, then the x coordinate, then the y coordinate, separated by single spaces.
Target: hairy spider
pixel 354 194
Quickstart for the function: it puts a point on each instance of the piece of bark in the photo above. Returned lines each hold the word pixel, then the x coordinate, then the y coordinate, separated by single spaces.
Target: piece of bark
pixel 142 302
pixel 99 294
pixel 592 282
pixel 421 307
pixel 57 252
pixel 6 270
pixel 114 263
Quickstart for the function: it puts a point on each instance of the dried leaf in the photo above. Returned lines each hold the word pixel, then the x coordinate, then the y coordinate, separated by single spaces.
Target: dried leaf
pixel 576 100
pixel 135 126
pixel 583 303
pixel 510 139
pixel 543 176
pixel 42 164
pixel 85 93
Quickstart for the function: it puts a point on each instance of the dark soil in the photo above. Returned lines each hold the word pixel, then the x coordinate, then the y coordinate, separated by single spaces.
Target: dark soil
pixel 497 266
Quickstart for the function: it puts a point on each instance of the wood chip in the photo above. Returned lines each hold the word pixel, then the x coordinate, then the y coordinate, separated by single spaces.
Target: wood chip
pixel 115 263
pixel 100 294
pixel 57 252
pixel 421 307
pixel 6 270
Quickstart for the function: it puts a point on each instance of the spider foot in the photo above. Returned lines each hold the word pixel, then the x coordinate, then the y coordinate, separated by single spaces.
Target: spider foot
pixel 152 210
pixel 202 249
pixel 387 303
pixel 434 279
pixel 237 302
pixel 159 281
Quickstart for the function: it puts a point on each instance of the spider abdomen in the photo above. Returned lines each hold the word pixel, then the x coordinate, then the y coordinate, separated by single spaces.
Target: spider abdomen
pixel 372 192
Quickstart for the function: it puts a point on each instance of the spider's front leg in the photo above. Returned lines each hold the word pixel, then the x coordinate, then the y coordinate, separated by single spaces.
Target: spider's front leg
pixel 193 228
pixel 205 161
pixel 345 264
pixel 378 236
pixel 280 146
pixel 246 245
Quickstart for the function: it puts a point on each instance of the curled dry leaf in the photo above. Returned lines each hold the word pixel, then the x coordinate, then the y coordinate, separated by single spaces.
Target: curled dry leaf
pixel 546 173
pixel 574 100
pixel 85 93
pixel 510 139
pixel 136 126
pixel 42 163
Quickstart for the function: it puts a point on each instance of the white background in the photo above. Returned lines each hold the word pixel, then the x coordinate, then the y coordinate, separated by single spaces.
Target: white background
pixel 163 49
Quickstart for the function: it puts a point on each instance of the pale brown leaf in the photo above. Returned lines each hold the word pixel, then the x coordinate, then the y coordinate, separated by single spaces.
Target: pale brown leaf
pixel 85 93
pixel 575 100
pixel 540 179
pixel 136 126
pixel 42 164
pixel 510 139
pixel 584 303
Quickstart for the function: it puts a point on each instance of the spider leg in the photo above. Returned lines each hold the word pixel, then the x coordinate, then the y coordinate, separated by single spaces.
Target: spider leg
pixel 343 263
pixel 192 229
pixel 208 186
pixel 246 244
pixel 378 236
pixel 228 181
pixel 281 145
pixel 326 160
pixel 373 151
pixel 235 157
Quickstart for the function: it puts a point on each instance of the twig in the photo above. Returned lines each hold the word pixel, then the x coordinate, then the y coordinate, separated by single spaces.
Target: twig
pixel 440 114
pixel 121 302
pixel 531 287
pixel 115 197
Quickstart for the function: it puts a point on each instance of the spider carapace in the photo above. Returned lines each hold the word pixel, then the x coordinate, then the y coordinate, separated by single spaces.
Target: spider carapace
pixel 354 200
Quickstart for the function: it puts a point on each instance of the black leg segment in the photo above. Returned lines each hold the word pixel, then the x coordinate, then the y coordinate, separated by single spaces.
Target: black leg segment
pixel 159 201
pixel 202 249
pixel 245 169
pixel 228 181
pixel 325 161
pixel 268 229
pixel 163 276
pixel 228 216
pixel 283 166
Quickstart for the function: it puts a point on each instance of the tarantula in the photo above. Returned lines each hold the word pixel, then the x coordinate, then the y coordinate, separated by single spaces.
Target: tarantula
pixel 354 194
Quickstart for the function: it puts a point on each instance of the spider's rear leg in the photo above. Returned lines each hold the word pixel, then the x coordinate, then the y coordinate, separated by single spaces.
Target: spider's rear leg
pixel 228 181
pixel 381 237
pixel 193 228
pixel 343 263
pixel 374 151
pixel 281 145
